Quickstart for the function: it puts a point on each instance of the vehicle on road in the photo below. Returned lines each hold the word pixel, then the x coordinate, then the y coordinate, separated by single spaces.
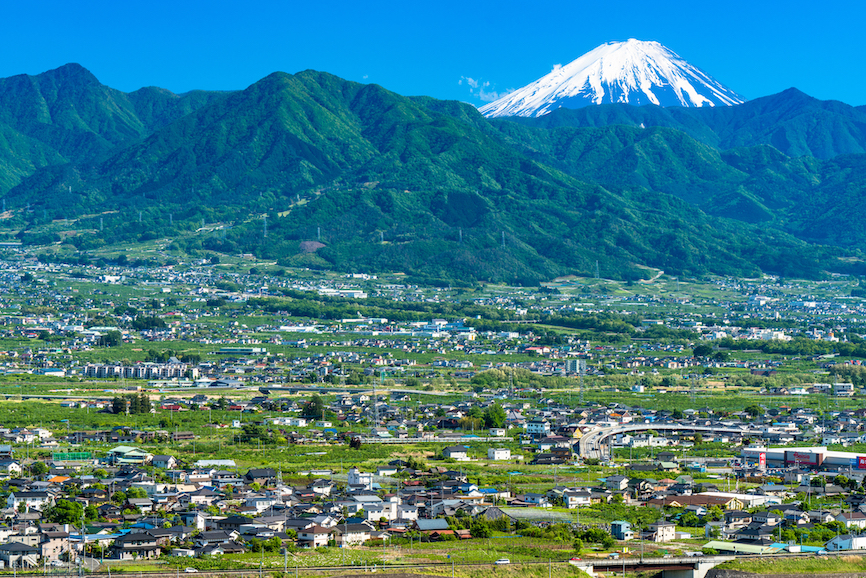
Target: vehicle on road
pixel 502 561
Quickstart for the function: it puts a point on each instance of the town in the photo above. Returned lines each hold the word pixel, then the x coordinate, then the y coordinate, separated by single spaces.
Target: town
pixel 209 416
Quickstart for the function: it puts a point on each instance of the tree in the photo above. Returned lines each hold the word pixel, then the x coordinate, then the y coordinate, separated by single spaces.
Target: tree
pixel 314 407
pixel 494 416
pixel 690 520
pixel 754 410
pixel 715 513
pixel 608 543
pixel 252 432
pixel 699 439
pixel 414 463
pixel 702 350
pixel 135 493
pixel 479 528
pixel 110 339
pixel 64 512
pixel 39 468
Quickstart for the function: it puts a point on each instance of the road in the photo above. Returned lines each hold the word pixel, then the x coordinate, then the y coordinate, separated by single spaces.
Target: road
pixel 592 445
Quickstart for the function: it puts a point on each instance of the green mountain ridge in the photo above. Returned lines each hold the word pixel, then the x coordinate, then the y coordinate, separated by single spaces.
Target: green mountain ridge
pixel 793 122
pixel 427 187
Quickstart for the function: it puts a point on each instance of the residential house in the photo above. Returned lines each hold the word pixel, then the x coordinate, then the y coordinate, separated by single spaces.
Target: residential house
pixel 846 542
pixel 135 545
pixel 30 500
pixel 621 530
pixel 163 461
pixel 852 519
pixel 18 555
pixel 456 452
pixel 662 531
pixel 616 483
pixel 352 534
pixel 314 537
pixel 497 454
pixel 576 499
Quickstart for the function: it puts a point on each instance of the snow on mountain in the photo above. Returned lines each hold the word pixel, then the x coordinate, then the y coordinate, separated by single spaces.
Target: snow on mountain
pixel 633 72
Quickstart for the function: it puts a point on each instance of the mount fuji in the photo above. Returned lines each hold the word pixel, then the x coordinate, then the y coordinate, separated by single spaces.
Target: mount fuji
pixel 632 72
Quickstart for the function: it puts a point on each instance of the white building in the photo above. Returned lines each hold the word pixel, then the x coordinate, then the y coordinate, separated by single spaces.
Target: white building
pixel 498 454
pixel 358 478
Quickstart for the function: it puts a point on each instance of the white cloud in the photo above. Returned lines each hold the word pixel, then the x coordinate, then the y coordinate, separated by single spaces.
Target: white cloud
pixel 482 89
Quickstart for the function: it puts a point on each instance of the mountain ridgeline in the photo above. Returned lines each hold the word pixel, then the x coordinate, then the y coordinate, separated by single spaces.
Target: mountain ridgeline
pixel 312 170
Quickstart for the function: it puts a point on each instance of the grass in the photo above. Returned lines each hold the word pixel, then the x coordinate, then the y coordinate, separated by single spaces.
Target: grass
pixel 799 566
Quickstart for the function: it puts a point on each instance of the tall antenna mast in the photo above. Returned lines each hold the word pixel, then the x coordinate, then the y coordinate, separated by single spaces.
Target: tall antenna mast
pixel 581 369
pixel 376 403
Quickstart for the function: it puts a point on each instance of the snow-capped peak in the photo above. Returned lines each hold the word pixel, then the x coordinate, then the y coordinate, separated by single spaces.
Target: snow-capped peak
pixel 632 72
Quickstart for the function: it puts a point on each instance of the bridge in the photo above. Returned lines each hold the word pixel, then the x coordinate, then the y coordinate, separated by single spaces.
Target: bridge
pixel 591 445
pixel 433 440
pixel 688 567
pixel 353 390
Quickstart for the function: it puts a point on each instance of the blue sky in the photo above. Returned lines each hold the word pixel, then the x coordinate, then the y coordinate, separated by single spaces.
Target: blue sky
pixel 462 50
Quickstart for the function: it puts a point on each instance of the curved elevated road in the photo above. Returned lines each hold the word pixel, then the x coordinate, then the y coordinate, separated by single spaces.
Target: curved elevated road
pixel 591 445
